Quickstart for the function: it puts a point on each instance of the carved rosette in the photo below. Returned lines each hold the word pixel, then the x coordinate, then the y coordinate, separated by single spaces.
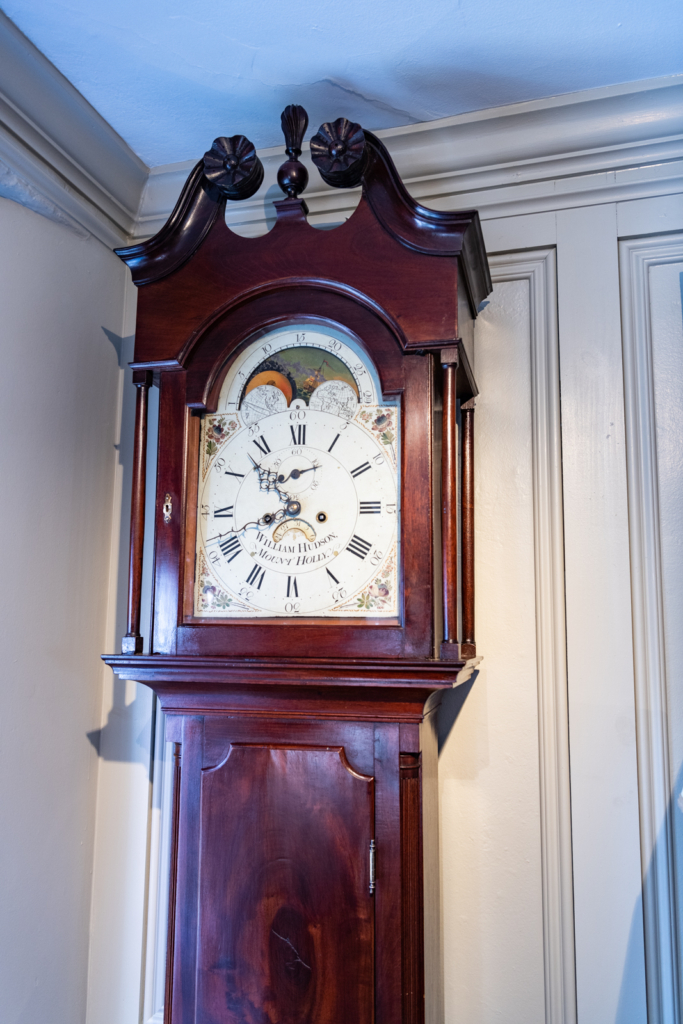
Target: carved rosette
pixel 232 167
pixel 292 176
pixel 338 151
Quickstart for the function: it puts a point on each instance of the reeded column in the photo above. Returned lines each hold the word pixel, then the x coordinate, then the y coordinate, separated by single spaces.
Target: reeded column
pixel 132 642
pixel 449 505
pixel 468 648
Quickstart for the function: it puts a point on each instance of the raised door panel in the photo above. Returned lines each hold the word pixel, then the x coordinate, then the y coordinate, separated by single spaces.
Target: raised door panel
pixel 286 920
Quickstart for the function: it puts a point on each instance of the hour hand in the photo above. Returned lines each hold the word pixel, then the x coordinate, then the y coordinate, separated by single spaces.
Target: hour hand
pixel 267 479
pixel 267 519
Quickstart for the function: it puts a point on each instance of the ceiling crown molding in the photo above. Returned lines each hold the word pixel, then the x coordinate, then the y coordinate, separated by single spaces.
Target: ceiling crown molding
pixel 58 156
pixel 602 145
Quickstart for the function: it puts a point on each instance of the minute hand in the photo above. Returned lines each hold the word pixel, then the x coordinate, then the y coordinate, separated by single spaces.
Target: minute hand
pixel 295 474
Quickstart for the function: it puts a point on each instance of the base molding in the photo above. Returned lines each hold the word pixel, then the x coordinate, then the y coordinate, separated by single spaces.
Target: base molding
pixel 301 672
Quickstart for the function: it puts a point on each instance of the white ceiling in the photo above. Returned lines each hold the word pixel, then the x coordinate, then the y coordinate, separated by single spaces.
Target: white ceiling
pixel 169 76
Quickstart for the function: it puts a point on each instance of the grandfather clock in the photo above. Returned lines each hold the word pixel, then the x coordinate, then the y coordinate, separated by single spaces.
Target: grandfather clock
pixel 313 579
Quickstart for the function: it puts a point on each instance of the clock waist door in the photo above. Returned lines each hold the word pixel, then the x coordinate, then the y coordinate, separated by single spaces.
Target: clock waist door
pixel 274 914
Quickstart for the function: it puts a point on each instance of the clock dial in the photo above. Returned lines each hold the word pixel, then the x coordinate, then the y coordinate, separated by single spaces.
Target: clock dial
pixel 298 360
pixel 298 500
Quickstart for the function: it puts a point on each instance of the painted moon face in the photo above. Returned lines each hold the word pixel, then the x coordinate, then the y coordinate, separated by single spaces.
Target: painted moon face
pixel 336 397
pixel 271 378
pixel 262 401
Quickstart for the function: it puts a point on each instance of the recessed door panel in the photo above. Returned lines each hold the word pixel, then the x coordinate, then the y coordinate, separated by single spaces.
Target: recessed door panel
pixel 285 916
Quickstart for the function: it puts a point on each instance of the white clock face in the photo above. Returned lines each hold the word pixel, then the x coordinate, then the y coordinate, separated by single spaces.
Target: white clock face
pixel 298 499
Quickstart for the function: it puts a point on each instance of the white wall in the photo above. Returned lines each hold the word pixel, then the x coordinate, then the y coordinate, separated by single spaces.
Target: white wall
pixel 665 282
pixel 651 277
pixel 489 760
pixel 560 774
pixel 615 861
pixel 60 293
pixel 121 854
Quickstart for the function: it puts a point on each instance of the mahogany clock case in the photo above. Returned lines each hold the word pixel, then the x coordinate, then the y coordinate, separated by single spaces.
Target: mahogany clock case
pixel 403 307
pixel 277 913
pixel 408 377
pixel 301 746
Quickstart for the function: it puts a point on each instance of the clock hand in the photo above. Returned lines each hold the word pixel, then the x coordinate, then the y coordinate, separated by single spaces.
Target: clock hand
pixel 267 480
pixel 267 519
pixel 292 508
pixel 295 474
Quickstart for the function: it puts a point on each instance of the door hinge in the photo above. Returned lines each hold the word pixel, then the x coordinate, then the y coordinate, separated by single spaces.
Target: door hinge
pixel 372 866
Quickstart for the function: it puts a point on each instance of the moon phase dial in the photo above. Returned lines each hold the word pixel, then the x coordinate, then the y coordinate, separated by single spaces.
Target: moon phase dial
pixel 302 364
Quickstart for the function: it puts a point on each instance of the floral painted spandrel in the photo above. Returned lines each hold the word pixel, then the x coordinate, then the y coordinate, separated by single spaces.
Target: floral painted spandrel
pixel 215 432
pixel 381 594
pixel 380 420
pixel 209 595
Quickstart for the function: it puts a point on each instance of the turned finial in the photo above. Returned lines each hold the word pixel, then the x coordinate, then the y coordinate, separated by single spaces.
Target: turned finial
pixel 292 176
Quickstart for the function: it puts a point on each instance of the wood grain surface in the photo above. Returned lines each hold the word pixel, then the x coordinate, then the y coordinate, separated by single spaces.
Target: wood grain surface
pixel 286 922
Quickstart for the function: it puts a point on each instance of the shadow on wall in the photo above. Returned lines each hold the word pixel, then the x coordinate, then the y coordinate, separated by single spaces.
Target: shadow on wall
pixel 632 1008
pixel 451 705
pixel 123 346
pixel 126 735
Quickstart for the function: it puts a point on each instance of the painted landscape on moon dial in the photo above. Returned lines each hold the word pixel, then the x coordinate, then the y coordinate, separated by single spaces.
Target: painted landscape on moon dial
pixel 298 371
